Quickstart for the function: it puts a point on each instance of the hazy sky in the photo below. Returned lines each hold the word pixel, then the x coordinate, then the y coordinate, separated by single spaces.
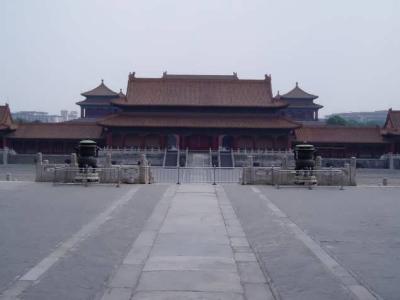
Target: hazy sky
pixel 345 51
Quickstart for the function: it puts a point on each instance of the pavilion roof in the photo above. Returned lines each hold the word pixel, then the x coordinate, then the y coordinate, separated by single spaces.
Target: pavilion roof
pixel 6 121
pixel 101 91
pixel 339 134
pixel 186 120
pixel 199 90
pixel 298 93
pixel 57 131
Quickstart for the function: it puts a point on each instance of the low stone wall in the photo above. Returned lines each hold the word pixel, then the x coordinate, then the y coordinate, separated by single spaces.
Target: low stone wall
pixel 364 163
pixel 263 159
pixel 278 176
pixel 66 173
pixel 31 158
pixel 345 176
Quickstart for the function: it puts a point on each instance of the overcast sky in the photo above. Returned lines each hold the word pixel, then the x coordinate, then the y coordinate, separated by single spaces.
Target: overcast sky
pixel 345 51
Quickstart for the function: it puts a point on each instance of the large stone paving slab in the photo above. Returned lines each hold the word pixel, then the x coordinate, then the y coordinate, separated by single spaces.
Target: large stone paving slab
pixel 193 254
pixel 190 263
pixel 179 263
pixel 188 296
pixel 204 281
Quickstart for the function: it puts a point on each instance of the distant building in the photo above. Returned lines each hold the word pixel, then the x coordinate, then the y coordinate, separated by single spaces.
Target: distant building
pixel 98 102
pixel 378 117
pixel 199 113
pixel 301 105
pixel 391 130
pixel 36 116
pixel 72 115
pixel 64 115
pixel 68 115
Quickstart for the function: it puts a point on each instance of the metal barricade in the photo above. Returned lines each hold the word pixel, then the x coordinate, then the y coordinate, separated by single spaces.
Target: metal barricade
pixel 164 175
pixel 211 175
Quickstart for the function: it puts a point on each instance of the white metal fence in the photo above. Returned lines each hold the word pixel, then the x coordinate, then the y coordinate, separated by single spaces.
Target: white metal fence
pixel 211 175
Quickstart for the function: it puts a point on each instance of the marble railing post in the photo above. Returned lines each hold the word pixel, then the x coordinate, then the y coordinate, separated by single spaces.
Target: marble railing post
pixel 74 160
pixel 318 162
pixel 5 155
pixel 391 161
pixel 39 167
pixel 352 171
pixel 144 170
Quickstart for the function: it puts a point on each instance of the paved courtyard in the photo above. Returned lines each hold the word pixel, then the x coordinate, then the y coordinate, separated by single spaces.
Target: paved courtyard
pixel 198 241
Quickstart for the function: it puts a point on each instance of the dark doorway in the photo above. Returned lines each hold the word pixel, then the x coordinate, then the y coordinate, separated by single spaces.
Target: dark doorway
pixel 199 142
pixel 172 142
pixel 227 142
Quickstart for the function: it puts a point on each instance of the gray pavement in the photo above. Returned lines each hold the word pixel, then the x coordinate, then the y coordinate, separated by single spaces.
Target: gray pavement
pixel 36 218
pixel 194 241
pixel 194 254
pixel 358 227
pixel 375 177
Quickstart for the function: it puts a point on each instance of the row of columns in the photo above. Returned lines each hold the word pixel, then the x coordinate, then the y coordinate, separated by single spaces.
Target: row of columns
pixel 199 141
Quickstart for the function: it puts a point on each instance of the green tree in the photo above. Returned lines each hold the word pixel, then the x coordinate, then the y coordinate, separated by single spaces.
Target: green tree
pixel 336 120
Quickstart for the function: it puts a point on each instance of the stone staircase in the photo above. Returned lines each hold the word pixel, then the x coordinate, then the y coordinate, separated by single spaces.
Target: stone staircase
pixel 198 159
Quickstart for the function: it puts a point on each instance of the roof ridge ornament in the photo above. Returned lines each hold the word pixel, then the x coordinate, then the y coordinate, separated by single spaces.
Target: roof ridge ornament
pixel 297 84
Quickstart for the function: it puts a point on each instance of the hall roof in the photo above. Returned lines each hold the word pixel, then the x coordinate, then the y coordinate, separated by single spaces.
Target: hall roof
pixel 392 124
pixel 6 121
pixel 298 93
pixel 199 90
pixel 174 120
pixel 339 134
pixel 100 91
pixel 101 100
pixel 57 131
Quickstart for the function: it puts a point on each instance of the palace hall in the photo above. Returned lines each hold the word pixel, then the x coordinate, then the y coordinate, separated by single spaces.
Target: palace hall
pixel 197 113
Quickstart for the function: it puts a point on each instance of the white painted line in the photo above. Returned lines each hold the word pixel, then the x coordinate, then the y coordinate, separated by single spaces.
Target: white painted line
pixel 43 266
pixel 345 276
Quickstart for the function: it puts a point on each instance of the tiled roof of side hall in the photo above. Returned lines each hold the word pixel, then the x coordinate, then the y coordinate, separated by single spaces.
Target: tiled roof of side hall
pixel 57 131
pixel 339 134
pixel 6 121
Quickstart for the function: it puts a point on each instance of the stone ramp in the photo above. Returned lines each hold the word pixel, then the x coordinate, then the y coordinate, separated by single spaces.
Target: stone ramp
pixel 193 247
pixel 199 159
